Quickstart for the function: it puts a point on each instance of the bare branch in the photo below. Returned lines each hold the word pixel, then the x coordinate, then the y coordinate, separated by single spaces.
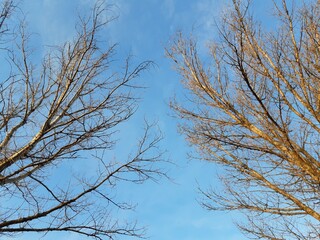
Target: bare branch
pixel 55 116
pixel 255 111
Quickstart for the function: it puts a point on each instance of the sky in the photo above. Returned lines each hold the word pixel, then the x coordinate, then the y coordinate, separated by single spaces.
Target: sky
pixel 144 28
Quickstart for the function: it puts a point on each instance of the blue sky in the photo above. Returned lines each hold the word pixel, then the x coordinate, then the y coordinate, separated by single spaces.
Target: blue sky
pixel 169 209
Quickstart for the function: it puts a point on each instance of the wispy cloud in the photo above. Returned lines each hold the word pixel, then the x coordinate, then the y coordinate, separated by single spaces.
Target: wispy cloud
pixel 168 8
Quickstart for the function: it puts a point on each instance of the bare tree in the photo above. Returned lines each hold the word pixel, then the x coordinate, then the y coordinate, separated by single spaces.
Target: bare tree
pixel 254 110
pixel 56 116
